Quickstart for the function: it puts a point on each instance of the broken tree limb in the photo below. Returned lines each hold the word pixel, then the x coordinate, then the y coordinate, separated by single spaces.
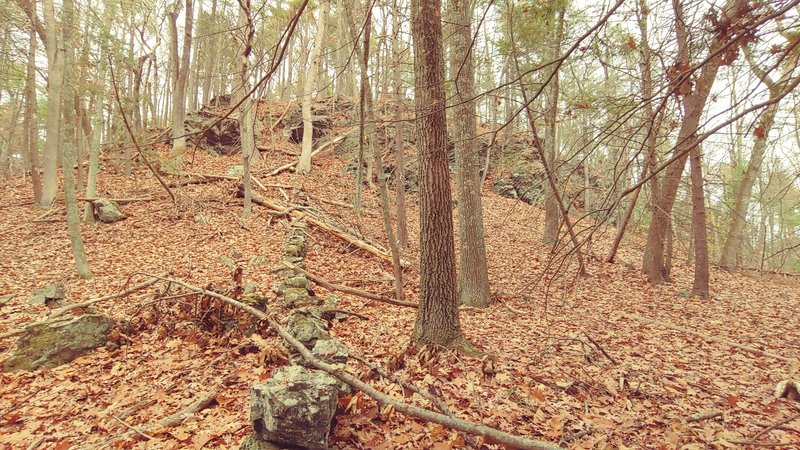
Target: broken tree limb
pixel 171 421
pixel 64 309
pixel 347 289
pixel 707 337
pixel 118 200
pixel 346 377
pixel 699 417
pixel 599 347
pixel 320 149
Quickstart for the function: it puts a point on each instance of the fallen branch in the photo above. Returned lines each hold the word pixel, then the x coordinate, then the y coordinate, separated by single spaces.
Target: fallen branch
pixel 118 200
pixel 599 347
pixel 133 429
pixel 707 337
pixel 345 376
pixel 347 289
pixel 296 214
pixel 64 309
pixel 320 149
pixel 699 417
pixel 199 178
pixel 173 420
pixel 280 119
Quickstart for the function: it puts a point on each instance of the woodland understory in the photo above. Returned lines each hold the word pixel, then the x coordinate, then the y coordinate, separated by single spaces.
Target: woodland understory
pixel 395 224
pixel 549 379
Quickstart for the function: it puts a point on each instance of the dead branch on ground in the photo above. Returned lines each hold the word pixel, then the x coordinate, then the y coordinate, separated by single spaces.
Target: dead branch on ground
pixel 347 289
pixel 64 309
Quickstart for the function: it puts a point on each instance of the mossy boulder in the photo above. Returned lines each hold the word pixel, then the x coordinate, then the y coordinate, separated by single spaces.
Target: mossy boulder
pixel 47 345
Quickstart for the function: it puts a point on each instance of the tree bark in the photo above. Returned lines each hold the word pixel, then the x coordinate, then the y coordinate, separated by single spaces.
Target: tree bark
pixel 437 318
pixel 552 211
pixel 399 125
pixel 73 220
pixel 180 75
pixel 304 165
pixel 473 277
pixel 31 120
pixel 700 285
pixel 55 88
pixel 657 256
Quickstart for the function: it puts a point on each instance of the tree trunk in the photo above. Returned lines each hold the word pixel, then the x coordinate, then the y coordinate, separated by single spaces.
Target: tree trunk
pixel 180 75
pixel 399 125
pixel 657 259
pixel 55 88
pixel 700 285
pixel 73 221
pixel 735 235
pixel 246 122
pixel 304 165
pixel 437 317
pixel 31 120
pixel 473 277
pixel 552 211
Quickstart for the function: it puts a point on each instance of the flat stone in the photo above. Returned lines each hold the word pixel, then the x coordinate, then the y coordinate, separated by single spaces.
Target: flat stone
pixel 50 294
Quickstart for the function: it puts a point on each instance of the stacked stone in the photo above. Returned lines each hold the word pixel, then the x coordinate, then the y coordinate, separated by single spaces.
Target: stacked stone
pixel 295 407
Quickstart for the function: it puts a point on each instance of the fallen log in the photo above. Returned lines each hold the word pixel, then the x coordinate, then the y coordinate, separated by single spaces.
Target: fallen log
pixel 347 289
pixel 64 309
pixel 343 375
pixel 707 337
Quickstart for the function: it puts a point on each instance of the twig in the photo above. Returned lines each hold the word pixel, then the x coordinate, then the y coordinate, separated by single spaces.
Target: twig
pixel 130 132
pixel 70 307
pixel 704 416
pixel 344 311
pixel 117 200
pixel 346 377
pixel 133 429
pixel 347 289
pixel 599 347
pixel 775 425
pixel 320 149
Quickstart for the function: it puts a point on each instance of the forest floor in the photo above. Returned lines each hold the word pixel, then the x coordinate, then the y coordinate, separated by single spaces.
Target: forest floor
pixel 550 381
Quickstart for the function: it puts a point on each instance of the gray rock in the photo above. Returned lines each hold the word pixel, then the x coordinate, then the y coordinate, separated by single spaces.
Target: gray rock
pixel 47 345
pixel 295 407
pixel 331 351
pixel 251 442
pixel 51 294
pixel 307 326
pixel 235 171
pixel 107 211
pixel 298 281
pixel 293 297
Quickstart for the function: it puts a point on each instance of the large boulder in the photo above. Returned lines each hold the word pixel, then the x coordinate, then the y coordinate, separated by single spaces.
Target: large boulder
pixel 47 345
pixel 107 210
pixel 295 407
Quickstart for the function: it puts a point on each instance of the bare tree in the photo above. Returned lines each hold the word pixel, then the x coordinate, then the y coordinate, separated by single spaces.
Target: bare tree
pixel 304 165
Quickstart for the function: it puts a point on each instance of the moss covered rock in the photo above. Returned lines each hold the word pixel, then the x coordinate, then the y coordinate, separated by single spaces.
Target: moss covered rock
pixel 47 345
